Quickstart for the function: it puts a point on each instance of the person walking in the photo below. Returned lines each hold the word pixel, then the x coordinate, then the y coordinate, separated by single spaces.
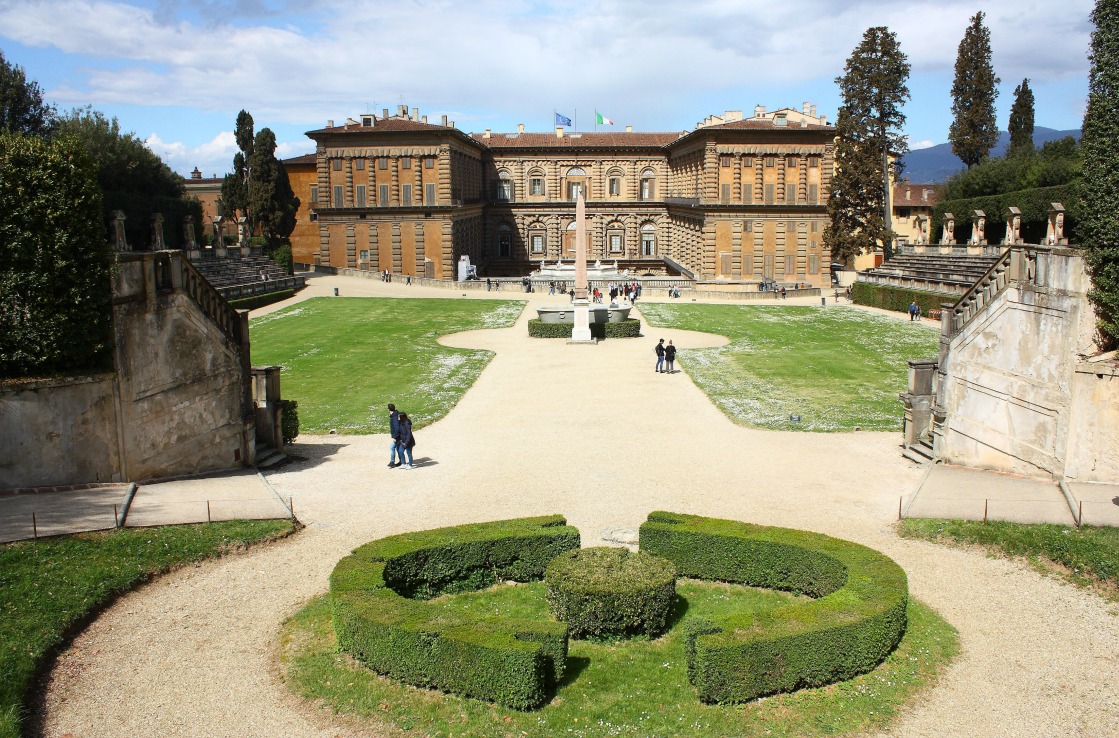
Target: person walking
pixel 660 355
pixel 394 431
pixel 407 441
pixel 670 358
pixel 914 311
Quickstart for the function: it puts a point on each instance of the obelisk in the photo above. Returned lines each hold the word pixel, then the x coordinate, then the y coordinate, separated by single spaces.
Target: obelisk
pixel 581 331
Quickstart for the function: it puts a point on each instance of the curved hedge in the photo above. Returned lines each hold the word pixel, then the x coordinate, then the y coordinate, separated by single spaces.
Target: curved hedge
pixel 898 298
pixel 379 617
pixel 628 328
pixel 611 592
pixel 856 620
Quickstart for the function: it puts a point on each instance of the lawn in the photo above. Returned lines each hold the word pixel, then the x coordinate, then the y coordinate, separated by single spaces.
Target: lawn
pixel 1088 557
pixel 50 588
pixel 345 358
pixel 634 688
pixel 837 368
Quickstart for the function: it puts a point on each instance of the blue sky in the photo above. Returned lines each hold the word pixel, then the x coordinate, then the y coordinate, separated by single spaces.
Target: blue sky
pixel 176 72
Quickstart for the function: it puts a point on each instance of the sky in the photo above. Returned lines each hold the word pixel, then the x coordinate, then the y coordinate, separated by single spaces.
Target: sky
pixel 176 72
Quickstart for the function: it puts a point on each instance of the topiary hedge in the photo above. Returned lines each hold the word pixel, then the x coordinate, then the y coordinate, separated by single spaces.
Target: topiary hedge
pixel 256 301
pixel 611 592
pixel 380 618
pixel 629 328
pixel 854 622
pixel 897 298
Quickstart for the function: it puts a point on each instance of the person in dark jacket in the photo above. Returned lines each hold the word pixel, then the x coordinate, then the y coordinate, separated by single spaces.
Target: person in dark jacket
pixel 659 350
pixel 394 431
pixel 670 358
pixel 407 440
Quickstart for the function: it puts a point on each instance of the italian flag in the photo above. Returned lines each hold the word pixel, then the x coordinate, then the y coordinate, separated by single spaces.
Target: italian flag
pixel 602 120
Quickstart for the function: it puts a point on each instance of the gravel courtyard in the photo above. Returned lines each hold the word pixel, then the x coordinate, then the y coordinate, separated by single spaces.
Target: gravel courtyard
pixel 593 433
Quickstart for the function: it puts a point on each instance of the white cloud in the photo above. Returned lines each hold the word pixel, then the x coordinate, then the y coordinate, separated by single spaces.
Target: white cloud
pixel 649 63
pixel 914 145
pixel 215 157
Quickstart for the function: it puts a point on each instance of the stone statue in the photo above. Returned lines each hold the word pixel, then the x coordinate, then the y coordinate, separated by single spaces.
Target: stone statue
pixel 978 228
pixel 217 244
pixel 120 239
pixel 1056 231
pixel 157 232
pixel 922 222
pixel 243 231
pixel 1013 226
pixel 188 233
pixel 948 238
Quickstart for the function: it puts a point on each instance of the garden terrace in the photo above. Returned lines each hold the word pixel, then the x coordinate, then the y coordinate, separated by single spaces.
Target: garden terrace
pixel 241 277
pixel 947 273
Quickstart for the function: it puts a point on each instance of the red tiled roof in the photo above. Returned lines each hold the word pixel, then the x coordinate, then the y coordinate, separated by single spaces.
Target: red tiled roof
pixel 203 181
pixel 768 124
pixel 575 140
pixel 384 124
pixel 916 195
pixel 305 159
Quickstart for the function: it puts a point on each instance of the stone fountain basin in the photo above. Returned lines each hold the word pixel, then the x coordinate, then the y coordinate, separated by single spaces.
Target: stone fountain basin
pixel 599 313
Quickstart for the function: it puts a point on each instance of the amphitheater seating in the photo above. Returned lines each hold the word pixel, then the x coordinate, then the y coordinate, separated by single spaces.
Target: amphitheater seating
pixel 230 272
pixel 951 271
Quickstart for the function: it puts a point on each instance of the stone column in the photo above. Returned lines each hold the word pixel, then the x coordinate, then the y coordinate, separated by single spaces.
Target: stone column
pixel 978 228
pixel 1013 226
pixel 1055 235
pixel 948 238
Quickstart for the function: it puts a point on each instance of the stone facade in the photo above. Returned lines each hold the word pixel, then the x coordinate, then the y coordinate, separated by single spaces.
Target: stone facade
pixel 740 201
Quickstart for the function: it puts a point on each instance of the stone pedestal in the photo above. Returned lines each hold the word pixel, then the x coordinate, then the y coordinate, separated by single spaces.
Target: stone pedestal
pixel 581 331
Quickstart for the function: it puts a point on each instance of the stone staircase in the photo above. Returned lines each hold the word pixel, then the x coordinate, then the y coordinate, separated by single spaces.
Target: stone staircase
pixel 951 274
pixel 920 452
pixel 230 272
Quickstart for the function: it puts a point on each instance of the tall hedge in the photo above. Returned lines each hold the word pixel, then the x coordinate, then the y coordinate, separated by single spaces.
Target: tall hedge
pixel 898 298
pixel 1034 204
pixel 55 309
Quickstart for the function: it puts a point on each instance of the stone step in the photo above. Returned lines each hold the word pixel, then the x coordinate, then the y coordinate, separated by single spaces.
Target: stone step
pixel 269 457
pixel 916 458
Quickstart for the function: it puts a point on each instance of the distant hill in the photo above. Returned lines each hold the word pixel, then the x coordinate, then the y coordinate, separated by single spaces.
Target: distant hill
pixel 936 163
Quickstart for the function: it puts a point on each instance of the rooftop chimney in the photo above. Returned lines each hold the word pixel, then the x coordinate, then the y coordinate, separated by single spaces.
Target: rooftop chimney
pixel 520 128
pixel 803 122
pixel 559 131
pixel 486 134
pixel 451 124
pixel 806 108
pixel 759 111
pixel 813 113
pixel 823 120
pixel 402 110
pixel 444 119
pixel 385 113
pixel 196 174
pixel 629 129
pixel 415 113
pixel 330 123
pixel 423 119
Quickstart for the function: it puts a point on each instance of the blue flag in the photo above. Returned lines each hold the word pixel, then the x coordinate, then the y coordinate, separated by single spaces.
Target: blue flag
pixel 562 120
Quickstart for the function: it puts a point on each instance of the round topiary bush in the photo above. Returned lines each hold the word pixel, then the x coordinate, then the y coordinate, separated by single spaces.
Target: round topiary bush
pixel 610 592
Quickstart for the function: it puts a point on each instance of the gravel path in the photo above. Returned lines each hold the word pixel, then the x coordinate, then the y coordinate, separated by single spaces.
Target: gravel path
pixel 593 433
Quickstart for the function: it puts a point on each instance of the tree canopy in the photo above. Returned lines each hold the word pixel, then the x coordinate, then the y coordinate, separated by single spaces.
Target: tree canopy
pixel 1055 163
pixel 868 129
pixel 22 109
pixel 55 311
pixel 1021 126
pixel 1099 221
pixel 234 188
pixel 271 200
pixel 132 177
pixel 974 130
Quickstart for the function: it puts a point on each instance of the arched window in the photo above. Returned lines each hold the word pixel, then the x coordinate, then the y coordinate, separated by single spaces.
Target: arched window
pixel 536 239
pixel 504 241
pixel 648 240
pixel 569 238
pixel 576 183
pixel 615 239
pixel 504 186
pixel 536 183
pixel 614 182
pixel 648 187
pixel 576 172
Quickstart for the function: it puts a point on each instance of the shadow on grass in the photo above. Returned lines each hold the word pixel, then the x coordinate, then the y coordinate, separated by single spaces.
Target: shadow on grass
pixel 576 665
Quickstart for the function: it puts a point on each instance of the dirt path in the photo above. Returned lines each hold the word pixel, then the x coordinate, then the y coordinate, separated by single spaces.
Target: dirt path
pixel 593 433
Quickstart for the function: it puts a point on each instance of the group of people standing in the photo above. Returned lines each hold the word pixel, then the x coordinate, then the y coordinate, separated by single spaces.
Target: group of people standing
pixel 666 357
pixel 403 440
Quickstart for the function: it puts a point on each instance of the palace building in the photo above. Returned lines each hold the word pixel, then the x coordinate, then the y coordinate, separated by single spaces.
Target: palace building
pixel 736 200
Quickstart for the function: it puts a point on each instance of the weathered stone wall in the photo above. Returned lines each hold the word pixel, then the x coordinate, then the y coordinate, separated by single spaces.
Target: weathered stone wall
pixel 178 403
pixel 1012 397
pixel 59 431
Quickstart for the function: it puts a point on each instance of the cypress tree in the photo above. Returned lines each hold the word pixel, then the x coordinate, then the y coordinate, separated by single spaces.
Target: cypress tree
pixel 974 131
pixel 235 186
pixel 1098 224
pixel 1021 125
pixel 271 200
pixel 873 89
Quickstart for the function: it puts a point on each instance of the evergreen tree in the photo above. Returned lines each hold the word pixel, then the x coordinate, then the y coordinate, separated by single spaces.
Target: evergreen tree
pixel 974 131
pixel 1021 125
pixel 235 186
pixel 1098 224
pixel 22 109
pixel 873 89
pixel 270 198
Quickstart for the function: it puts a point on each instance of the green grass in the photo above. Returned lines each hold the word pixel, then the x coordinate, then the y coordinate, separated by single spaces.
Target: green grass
pixel 838 368
pixel 1088 557
pixel 50 588
pixel 634 688
pixel 345 358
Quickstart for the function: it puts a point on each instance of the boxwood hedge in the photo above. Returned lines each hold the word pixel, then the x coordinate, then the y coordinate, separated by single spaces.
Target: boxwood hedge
pixel 854 622
pixel 611 592
pixel 629 328
pixel 380 618
pixel 898 298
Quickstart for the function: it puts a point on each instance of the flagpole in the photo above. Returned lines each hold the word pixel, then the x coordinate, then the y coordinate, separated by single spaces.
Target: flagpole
pixel 575 126
pixel 596 120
